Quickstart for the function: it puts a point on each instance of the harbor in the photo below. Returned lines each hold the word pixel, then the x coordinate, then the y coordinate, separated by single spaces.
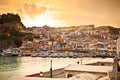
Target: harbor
pixel 56 53
pixel 59 39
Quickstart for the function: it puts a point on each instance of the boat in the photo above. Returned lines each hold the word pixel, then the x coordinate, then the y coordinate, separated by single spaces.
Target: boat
pixel 7 52
pixel 19 55
pixel 34 55
pixel 33 75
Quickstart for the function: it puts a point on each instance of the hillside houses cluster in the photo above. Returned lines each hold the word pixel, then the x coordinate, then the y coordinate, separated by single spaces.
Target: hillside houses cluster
pixel 81 38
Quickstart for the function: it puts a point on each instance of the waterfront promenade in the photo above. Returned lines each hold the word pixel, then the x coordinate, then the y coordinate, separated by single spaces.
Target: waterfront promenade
pixel 29 69
pixel 13 67
pixel 34 78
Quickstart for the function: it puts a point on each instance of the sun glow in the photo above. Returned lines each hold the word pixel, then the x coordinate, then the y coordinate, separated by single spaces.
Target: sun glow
pixel 48 18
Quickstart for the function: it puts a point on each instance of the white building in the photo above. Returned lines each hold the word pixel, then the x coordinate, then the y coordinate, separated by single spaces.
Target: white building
pixel 118 46
pixel 74 69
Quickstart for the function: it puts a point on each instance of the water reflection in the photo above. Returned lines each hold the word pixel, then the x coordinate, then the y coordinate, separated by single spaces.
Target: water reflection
pixel 9 63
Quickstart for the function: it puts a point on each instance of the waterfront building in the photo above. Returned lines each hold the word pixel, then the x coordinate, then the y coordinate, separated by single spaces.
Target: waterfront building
pixel 118 46
pixel 74 69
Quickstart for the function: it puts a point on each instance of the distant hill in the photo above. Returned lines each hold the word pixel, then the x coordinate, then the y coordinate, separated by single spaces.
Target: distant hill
pixel 112 30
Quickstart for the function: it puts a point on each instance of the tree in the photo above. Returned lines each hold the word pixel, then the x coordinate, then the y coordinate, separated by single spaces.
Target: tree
pixel 113 31
pixel 9 18
pixel 10 26
pixel 18 41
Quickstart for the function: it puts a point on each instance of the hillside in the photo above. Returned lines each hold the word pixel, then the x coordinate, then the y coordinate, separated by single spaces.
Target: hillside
pixel 10 34
pixel 112 30
pixel 11 26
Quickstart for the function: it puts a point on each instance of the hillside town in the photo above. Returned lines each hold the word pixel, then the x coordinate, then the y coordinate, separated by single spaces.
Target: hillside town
pixel 73 41
pixel 50 41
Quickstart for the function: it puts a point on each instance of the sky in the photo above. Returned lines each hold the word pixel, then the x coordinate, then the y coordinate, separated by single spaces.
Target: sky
pixel 58 13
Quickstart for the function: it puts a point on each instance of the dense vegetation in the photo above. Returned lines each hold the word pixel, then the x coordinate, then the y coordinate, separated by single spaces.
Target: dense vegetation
pixel 9 18
pixel 111 30
pixel 10 34
pixel 114 31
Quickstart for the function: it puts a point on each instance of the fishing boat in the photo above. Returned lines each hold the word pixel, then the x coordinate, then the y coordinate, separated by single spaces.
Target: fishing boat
pixel 34 55
pixel 7 52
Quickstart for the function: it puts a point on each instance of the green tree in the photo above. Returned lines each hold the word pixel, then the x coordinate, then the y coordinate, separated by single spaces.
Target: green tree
pixel 114 31
pixel 18 41
pixel 9 18
pixel 28 36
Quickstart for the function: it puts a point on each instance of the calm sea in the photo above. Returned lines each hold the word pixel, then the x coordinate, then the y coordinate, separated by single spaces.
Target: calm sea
pixel 21 66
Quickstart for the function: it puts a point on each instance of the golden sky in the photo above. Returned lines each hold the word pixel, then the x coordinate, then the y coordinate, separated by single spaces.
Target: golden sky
pixel 64 12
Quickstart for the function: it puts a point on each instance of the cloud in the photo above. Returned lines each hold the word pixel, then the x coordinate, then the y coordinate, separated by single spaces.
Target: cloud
pixel 32 10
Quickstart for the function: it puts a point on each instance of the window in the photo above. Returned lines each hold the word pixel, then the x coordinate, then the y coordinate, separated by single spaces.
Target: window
pixel 69 75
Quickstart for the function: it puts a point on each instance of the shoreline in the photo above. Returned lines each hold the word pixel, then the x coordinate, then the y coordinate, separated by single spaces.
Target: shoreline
pixel 58 55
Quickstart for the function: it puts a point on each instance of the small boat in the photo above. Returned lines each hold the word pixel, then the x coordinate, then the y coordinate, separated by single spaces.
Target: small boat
pixel 33 75
pixel 7 52
pixel 2 54
pixel 34 55
pixel 19 55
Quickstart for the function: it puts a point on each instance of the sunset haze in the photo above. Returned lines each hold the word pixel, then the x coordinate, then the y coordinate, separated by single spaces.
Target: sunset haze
pixel 58 13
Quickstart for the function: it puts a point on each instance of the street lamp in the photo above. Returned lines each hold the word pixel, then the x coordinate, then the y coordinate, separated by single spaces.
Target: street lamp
pixel 77 62
pixel 41 74
pixel 51 69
